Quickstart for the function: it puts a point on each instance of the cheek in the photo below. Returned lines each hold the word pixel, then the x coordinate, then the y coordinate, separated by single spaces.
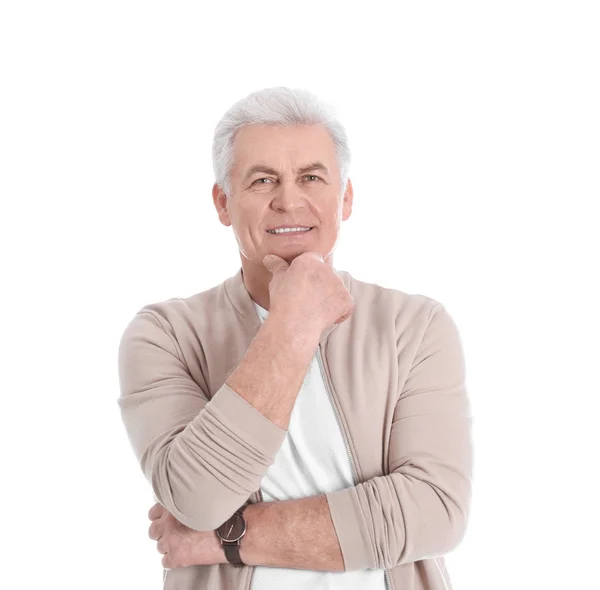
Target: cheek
pixel 332 219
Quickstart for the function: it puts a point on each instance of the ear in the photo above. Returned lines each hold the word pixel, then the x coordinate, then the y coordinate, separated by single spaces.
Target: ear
pixel 220 201
pixel 347 204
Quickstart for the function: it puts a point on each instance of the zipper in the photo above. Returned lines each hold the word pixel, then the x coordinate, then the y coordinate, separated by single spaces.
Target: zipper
pixel 336 411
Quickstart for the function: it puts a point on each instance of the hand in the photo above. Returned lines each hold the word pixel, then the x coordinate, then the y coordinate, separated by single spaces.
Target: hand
pixel 181 545
pixel 309 288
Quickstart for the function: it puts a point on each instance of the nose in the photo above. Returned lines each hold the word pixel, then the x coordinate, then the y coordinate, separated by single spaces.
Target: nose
pixel 288 196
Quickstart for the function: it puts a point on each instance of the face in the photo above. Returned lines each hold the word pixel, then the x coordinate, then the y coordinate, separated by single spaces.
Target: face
pixel 272 185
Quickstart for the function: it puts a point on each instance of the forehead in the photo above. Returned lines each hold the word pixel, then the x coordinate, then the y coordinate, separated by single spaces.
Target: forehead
pixel 276 145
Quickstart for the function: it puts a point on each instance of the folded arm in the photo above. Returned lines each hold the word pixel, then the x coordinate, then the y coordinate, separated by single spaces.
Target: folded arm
pixel 420 509
pixel 296 534
pixel 203 457
pixel 417 511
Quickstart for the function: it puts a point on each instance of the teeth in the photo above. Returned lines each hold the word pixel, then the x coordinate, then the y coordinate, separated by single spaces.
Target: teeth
pixel 290 229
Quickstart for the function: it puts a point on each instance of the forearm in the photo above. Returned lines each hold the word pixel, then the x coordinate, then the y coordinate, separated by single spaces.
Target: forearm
pixel 271 373
pixel 291 534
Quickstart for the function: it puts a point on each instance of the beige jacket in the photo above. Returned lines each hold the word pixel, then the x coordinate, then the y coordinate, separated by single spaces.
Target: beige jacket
pixel 396 373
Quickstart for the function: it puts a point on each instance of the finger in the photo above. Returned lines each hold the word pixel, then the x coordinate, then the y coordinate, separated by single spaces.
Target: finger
pixel 161 546
pixel 154 531
pixel 155 512
pixel 274 263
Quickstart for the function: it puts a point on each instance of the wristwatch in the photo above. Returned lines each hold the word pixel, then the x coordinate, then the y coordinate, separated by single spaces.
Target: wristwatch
pixel 230 533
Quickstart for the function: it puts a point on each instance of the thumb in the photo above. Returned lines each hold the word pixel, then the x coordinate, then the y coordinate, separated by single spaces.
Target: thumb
pixel 274 263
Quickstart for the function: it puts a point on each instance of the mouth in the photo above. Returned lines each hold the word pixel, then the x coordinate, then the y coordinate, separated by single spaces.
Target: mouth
pixel 289 233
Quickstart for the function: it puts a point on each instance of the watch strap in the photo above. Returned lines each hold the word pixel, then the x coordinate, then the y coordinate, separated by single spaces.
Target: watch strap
pixel 232 552
pixel 232 548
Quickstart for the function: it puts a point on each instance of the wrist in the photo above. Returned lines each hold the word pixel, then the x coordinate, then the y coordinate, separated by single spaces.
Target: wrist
pixel 219 553
pixel 299 328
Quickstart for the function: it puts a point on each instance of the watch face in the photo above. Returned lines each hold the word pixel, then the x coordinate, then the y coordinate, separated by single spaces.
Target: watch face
pixel 233 529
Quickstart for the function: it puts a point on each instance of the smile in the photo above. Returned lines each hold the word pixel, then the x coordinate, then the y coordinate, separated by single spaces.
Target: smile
pixel 287 232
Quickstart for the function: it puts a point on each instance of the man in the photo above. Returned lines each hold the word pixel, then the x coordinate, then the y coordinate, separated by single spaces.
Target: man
pixel 300 428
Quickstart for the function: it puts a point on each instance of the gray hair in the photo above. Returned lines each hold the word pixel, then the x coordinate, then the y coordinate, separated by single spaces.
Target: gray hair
pixel 276 106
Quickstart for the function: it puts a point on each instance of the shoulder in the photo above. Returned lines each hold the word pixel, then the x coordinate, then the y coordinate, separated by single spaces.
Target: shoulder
pixel 390 303
pixel 414 320
pixel 176 313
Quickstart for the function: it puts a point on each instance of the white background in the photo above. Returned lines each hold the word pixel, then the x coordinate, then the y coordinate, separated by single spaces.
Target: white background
pixel 474 129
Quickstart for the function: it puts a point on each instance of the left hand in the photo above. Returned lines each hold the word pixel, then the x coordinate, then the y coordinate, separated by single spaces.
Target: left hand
pixel 180 545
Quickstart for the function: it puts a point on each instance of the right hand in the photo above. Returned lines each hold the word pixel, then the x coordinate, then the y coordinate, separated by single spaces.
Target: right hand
pixel 309 289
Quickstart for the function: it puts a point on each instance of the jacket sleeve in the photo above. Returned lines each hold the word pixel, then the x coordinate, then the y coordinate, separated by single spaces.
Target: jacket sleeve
pixel 420 509
pixel 202 456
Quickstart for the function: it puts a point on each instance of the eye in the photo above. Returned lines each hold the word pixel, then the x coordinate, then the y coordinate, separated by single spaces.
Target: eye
pixel 265 178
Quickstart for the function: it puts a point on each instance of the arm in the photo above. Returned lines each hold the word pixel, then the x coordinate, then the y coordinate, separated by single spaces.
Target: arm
pixel 292 534
pixel 416 512
pixel 205 457
pixel 271 374
pixel 420 509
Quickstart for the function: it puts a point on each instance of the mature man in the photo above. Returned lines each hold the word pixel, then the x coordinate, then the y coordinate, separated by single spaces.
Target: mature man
pixel 300 428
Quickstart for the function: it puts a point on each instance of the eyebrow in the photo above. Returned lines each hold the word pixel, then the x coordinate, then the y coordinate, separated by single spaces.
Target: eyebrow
pixel 268 170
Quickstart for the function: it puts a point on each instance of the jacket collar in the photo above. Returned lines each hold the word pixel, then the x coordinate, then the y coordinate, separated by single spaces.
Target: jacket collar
pixel 244 305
